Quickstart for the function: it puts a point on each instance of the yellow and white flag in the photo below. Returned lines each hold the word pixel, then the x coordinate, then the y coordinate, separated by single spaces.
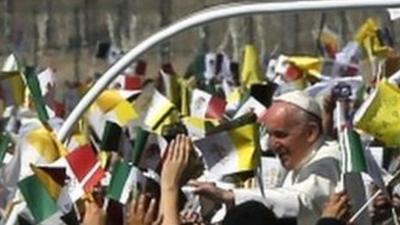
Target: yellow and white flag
pixel 367 36
pixel 251 72
pixel 379 115
pixel 12 87
pixel 230 151
pixel 36 146
pixel 112 106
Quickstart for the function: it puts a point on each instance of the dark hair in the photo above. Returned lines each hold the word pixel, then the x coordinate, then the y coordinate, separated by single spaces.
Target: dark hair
pixel 250 213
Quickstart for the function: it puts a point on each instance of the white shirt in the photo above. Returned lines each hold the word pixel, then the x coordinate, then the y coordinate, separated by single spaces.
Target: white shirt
pixel 304 190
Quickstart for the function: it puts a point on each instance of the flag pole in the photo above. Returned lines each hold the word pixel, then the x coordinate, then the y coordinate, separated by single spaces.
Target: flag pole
pixel 361 210
pixel 205 16
pixel 391 182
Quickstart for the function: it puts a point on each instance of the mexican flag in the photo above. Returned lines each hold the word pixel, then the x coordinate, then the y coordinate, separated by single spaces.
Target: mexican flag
pixel 357 158
pixel 33 85
pixel 83 169
pixel 39 201
pixel 54 180
pixel 5 141
pixel 123 181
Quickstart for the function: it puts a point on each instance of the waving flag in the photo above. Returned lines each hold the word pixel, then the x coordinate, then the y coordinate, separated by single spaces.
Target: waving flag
pixel 5 141
pixel 230 151
pixel 12 85
pixel 379 115
pixel 36 93
pixel 368 37
pixel 170 84
pixel 112 106
pixel 251 72
pixel 157 111
pixel 83 169
pixel 205 105
pixel 39 201
pixel 123 181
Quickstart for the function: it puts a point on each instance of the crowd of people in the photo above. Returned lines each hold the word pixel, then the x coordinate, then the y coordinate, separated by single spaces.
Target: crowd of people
pixel 308 192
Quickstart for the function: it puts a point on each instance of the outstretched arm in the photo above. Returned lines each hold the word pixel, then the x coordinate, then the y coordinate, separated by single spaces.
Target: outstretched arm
pixel 174 166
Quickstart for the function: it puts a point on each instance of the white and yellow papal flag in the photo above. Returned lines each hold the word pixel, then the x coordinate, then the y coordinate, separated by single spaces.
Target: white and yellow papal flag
pixel 230 151
pixel 112 105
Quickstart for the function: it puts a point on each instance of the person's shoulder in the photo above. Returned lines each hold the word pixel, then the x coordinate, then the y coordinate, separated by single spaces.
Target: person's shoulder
pixel 329 148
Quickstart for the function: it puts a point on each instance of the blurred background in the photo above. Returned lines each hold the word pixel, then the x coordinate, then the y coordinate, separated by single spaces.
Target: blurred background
pixel 64 34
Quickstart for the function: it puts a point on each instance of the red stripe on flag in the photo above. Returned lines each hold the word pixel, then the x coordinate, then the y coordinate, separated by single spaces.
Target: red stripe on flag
pixel 133 82
pixel 216 108
pixel 81 160
pixel 59 109
pixel 94 180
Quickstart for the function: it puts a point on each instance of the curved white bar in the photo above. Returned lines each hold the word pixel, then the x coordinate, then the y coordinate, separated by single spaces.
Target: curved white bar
pixel 202 17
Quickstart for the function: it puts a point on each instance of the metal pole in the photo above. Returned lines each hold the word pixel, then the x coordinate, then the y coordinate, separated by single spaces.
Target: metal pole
pixel 202 17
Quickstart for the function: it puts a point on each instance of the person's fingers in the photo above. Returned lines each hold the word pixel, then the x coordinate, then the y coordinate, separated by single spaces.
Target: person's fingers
pixel 171 152
pixel 180 148
pixel 158 221
pixel 382 201
pixel 194 217
pixel 208 190
pixel 188 149
pixel 151 211
pixel 133 206
pixel 183 151
pixel 193 183
pixel 88 207
pixel 141 206
pixel 342 200
pixel 336 197
pixel 198 185
pixel 342 212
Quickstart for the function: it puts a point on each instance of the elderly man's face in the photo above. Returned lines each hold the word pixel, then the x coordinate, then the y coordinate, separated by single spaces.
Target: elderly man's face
pixel 289 136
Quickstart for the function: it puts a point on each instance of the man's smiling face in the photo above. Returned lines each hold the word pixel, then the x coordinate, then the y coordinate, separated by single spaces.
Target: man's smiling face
pixel 288 134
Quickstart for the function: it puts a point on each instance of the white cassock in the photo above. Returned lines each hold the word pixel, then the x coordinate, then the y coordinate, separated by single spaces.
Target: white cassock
pixel 304 191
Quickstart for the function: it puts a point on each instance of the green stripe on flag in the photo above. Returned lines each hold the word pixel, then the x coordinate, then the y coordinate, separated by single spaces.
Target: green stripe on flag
pixel 111 137
pixel 5 140
pixel 120 173
pixel 139 144
pixel 34 88
pixel 358 163
pixel 37 198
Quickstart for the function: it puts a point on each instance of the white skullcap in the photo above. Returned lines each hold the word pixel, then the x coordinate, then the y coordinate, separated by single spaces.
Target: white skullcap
pixel 302 100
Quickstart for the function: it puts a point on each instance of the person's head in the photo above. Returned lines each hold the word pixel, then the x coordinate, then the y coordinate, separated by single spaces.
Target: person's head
pixel 293 123
pixel 251 213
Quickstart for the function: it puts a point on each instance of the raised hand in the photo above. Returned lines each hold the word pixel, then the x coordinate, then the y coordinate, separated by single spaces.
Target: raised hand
pixel 337 206
pixel 212 192
pixel 143 212
pixel 94 215
pixel 171 178
pixel 176 162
